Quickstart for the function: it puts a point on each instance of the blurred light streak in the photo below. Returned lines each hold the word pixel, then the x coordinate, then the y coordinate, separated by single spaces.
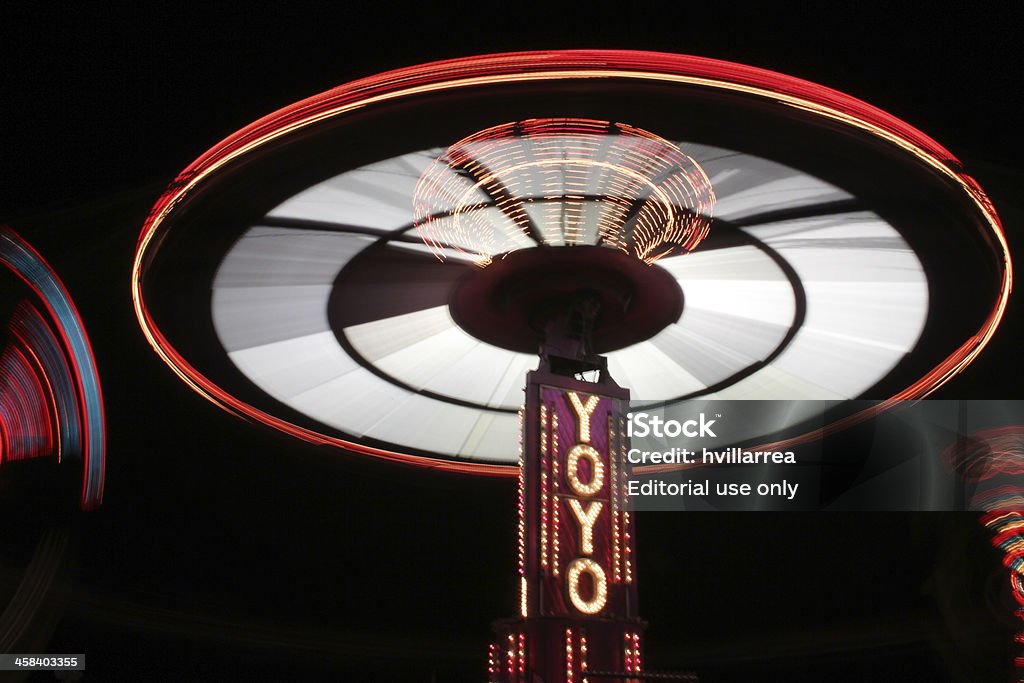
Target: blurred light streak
pixel 994 460
pixel 56 350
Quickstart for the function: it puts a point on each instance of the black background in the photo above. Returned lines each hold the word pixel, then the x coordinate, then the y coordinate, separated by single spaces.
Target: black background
pixel 224 551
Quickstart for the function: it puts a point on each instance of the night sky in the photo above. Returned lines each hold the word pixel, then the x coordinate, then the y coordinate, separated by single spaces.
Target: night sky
pixel 225 551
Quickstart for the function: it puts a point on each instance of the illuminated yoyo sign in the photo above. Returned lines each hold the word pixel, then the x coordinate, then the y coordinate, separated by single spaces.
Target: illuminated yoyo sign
pixel 576 557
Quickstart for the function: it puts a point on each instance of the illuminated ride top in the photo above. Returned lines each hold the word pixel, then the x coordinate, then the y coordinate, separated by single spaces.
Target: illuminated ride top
pixel 291 276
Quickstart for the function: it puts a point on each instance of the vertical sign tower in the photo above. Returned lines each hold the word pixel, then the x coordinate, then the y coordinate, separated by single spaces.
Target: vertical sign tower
pixel 576 556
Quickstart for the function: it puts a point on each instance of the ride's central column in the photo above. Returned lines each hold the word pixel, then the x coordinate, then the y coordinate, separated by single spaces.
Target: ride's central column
pixel 576 544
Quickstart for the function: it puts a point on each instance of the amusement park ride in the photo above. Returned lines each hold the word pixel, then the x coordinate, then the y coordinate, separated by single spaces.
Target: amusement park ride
pixel 386 265
pixel 386 259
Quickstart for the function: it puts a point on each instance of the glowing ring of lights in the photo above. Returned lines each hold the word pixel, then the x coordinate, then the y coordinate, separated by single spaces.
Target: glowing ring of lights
pixel 674 214
pixel 829 107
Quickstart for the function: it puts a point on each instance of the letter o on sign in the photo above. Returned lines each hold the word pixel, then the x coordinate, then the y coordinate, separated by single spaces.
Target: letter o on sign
pixel 572 466
pixel 596 603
